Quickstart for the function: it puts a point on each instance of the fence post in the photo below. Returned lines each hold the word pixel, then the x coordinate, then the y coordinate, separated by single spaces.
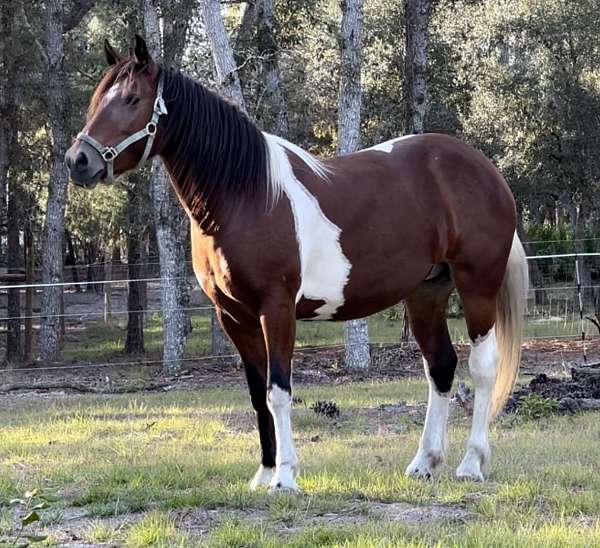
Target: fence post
pixel 578 279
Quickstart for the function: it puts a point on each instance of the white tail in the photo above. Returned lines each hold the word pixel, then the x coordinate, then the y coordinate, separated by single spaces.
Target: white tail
pixel 510 309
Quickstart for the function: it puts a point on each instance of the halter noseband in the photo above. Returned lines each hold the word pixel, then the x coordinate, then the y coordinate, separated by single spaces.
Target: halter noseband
pixel 109 153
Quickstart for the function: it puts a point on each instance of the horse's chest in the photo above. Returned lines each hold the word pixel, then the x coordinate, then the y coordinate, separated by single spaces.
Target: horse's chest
pixel 324 268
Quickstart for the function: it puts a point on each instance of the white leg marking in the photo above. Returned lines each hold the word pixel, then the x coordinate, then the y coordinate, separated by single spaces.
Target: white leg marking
pixel 483 362
pixel 324 269
pixel 262 478
pixel 286 462
pixel 432 448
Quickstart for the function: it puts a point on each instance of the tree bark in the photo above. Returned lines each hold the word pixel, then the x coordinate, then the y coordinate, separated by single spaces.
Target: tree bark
pixel 356 333
pixel 416 14
pixel 417 22
pixel 271 75
pixel 136 257
pixel 53 232
pixel 172 225
pixel 228 80
pixel 13 338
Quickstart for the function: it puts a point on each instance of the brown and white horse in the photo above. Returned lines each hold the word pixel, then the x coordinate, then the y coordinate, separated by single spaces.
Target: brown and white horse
pixel 278 235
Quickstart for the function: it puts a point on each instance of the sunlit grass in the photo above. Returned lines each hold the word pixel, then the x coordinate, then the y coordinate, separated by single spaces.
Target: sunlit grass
pixel 115 454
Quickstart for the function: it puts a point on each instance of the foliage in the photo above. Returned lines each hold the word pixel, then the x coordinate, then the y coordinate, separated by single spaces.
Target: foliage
pixel 535 407
pixel 30 505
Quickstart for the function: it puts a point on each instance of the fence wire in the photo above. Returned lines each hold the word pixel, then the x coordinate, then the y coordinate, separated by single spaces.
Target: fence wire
pixel 564 293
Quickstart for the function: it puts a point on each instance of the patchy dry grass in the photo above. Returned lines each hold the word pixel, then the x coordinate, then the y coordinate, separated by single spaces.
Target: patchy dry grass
pixel 172 469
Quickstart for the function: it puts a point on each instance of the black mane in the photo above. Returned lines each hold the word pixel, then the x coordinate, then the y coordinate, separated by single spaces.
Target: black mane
pixel 214 153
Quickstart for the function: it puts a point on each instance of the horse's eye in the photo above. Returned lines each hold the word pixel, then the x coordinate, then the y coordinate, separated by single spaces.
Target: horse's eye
pixel 131 100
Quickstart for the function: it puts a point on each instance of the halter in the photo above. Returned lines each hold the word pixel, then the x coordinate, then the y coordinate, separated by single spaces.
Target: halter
pixel 109 153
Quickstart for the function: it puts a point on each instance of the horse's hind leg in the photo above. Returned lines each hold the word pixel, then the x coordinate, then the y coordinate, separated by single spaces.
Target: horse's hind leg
pixel 427 314
pixel 479 306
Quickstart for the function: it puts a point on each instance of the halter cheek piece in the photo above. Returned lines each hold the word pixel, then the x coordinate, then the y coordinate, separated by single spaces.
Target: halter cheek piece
pixel 109 153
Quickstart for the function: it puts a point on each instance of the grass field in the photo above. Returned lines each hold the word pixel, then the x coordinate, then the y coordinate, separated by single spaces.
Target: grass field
pixel 172 469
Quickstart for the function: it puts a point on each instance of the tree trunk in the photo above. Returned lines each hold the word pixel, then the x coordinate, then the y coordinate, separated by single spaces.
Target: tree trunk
pixel 171 223
pixel 356 333
pixel 271 75
pixel 416 14
pixel 53 233
pixel 29 292
pixel 13 338
pixel 7 101
pixel 417 22
pixel 136 257
pixel 9 206
pixel 579 214
pixel 228 80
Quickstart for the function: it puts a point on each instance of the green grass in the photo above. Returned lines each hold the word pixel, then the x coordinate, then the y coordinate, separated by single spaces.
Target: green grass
pixel 98 341
pixel 111 456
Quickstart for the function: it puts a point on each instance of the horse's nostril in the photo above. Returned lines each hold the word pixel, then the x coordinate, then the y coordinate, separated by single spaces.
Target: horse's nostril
pixel 81 160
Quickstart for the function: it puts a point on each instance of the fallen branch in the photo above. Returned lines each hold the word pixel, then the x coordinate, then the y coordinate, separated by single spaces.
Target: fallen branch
pixel 592 371
pixel 81 388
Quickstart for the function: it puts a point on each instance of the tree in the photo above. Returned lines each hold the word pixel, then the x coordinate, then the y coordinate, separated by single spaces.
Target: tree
pixel 56 24
pixel 415 79
pixel 356 332
pixel 269 53
pixel 137 236
pixel 415 73
pixel 228 82
pixel 171 224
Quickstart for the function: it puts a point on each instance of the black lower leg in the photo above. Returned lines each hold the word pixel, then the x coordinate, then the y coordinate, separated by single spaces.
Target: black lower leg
pixel 258 395
pixel 442 365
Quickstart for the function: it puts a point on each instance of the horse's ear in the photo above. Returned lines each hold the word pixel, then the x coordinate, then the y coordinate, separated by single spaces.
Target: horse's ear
pixel 140 51
pixel 112 57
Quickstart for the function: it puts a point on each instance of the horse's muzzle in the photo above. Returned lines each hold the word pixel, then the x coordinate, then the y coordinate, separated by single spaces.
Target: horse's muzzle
pixel 85 169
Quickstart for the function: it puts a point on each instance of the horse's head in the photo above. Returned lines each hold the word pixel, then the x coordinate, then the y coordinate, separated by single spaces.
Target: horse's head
pixel 122 118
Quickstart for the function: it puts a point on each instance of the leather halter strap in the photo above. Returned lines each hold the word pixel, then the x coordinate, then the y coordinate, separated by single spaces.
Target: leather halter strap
pixel 109 153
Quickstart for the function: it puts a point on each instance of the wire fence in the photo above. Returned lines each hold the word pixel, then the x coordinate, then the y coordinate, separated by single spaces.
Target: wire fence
pixel 563 304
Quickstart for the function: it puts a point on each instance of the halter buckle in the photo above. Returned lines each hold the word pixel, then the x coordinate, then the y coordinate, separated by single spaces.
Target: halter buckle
pixel 109 154
pixel 159 105
pixel 151 128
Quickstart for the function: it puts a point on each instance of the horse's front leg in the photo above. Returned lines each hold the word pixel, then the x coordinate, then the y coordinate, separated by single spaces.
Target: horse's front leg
pixel 250 343
pixel 278 320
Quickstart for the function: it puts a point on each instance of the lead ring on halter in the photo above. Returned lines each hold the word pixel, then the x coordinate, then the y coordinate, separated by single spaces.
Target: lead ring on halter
pixel 109 153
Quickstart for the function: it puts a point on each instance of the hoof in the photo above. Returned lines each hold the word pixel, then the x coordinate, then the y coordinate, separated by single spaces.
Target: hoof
pixel 473 467
pixel 262 478
pixel 284 479
pixel 426 465
pixel 286 489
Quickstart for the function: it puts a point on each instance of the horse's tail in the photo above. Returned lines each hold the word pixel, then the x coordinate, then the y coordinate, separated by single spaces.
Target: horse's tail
pixel 510 309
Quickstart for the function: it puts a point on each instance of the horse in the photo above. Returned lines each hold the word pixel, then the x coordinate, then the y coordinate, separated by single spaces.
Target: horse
pixel 279 235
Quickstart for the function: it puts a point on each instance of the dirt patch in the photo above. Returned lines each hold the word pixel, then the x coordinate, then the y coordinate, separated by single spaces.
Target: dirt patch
pixel 580 391
pixel 74 527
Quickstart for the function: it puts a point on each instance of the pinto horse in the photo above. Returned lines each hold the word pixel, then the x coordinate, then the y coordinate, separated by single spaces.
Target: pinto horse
pixel 279 235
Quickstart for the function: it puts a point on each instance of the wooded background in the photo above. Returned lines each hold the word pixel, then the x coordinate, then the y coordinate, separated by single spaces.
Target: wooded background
pixel 518 79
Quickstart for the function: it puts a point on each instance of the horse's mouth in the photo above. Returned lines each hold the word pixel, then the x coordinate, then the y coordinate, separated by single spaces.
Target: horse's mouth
pixel 89 182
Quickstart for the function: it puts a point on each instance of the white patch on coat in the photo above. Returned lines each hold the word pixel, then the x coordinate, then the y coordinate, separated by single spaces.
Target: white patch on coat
pixel 432 447
pixel 483 363
pixel 113 91
pixel 387 146
pixel 279 402
pixel 324 269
